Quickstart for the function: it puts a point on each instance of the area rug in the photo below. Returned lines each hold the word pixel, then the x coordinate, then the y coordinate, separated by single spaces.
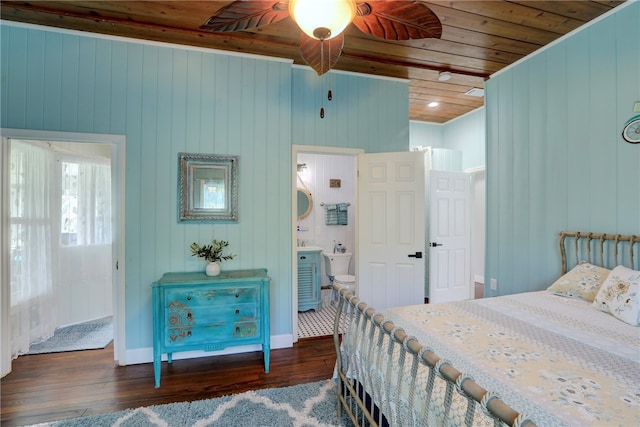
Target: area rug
pixel 305 405
pixel 83 336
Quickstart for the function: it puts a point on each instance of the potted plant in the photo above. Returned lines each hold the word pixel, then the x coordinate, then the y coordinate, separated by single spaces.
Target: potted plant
pixel 212 253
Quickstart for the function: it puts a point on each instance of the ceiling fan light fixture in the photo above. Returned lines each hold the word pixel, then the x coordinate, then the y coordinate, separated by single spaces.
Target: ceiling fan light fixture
pixel 322 20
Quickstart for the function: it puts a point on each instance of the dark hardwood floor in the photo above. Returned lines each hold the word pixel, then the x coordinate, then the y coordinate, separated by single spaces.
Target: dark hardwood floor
pixel 48 387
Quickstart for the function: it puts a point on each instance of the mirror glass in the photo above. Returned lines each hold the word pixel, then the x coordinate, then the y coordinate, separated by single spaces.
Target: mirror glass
pixel 305 203
pixel 207 188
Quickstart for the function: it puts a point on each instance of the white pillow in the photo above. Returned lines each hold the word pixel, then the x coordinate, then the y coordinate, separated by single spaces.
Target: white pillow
pixel 618 295
pixel 582 282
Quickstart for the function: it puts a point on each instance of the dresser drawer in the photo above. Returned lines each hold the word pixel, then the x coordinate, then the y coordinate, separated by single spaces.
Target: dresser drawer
pixel 188 325
pixel 185 335
pixel 179 314
pixel 210 297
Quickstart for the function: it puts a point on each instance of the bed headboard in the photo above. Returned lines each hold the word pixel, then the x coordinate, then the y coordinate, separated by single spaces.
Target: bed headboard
pixel 605 250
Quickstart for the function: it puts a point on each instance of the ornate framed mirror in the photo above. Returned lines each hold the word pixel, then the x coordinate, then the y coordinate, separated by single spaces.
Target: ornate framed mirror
pixel 305 203
pixel 207 188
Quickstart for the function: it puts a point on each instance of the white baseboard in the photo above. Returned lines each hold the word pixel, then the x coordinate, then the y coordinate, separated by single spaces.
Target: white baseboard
pixel 145 355
pixel 478 279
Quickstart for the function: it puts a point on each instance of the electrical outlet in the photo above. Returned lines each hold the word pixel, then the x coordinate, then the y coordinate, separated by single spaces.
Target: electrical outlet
pixel 493 285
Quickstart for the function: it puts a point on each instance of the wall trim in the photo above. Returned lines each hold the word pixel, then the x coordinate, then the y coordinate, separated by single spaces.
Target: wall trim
pixel 140 41
pixel 353 73
pixel 145 355
pixel 477 169
pixel 188 47
pixel 118 159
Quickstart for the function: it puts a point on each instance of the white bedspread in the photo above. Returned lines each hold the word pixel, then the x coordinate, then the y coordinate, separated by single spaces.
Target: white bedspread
pixel 553 358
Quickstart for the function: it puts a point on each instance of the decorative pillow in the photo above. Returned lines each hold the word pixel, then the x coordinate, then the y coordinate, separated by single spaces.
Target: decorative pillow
pixel 618 295
pixel 582 282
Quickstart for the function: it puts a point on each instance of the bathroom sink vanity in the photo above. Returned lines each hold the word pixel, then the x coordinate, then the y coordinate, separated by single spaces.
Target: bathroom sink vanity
pixel 309 262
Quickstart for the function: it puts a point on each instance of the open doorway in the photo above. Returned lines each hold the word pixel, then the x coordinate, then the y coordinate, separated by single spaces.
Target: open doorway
pixel 77 164
pixel 329 175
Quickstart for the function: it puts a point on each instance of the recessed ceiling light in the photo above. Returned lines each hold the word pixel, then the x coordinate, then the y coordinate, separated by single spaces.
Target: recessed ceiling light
pixel 433 104
pixel 444 76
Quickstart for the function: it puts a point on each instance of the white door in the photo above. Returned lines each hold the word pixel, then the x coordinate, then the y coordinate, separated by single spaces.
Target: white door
pixel 449 236
pixel 391 229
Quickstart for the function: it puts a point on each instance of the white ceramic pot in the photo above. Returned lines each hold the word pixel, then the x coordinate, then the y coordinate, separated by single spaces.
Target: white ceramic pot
pixel 213 269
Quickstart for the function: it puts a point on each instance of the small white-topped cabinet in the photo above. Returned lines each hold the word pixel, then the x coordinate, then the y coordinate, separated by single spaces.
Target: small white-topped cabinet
pixel 309 262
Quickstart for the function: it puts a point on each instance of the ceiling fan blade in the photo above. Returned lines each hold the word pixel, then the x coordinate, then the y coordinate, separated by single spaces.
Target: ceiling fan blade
pixel 321 55
pixel 397 20
pixel 243 15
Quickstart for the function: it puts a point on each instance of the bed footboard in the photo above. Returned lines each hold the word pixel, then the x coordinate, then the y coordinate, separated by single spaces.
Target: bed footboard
pixel 377 369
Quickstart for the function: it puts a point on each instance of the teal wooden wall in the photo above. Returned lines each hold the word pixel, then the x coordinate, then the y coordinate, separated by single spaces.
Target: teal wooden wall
pixel 364 113
pixel 167 100
pixel 468 134
pixel 555 157
pixel 425 134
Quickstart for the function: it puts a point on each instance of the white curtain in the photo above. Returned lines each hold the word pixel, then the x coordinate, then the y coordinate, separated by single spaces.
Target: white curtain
pixel 84 284
pixel 32 312
pixel 94 204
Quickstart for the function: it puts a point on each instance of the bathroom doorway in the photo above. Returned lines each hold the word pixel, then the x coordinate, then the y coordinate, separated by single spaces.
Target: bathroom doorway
pixel 329 174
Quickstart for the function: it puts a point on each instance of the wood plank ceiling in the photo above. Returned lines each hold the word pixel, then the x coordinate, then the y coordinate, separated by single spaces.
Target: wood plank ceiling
pixel 478 39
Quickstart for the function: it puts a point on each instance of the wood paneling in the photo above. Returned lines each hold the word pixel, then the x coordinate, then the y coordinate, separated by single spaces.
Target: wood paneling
pixel 479 37
pixel 168 100
pixel 555 157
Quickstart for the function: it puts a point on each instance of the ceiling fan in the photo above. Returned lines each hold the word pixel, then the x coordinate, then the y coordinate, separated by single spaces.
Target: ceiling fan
pixel 322 23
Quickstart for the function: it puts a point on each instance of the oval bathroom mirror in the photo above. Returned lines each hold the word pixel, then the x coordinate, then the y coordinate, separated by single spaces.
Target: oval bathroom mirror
pixel 305 203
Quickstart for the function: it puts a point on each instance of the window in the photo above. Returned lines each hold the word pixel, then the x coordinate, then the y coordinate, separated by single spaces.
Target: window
pixel 69 206
pixel 85 204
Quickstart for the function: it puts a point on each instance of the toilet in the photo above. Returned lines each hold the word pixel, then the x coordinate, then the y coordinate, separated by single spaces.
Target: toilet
pixel 337 268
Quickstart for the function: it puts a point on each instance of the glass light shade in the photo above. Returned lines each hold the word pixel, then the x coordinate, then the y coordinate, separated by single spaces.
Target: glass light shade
pixel 315 17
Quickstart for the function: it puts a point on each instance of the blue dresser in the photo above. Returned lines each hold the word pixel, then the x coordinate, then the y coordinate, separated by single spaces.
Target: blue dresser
pixel 309 297
pixel 192 311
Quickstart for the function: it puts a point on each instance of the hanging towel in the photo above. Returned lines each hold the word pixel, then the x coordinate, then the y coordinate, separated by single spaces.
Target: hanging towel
pixel 331 214
pixel 343 213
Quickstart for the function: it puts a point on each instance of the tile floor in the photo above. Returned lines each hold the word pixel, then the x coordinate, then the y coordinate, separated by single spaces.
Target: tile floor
pixel 317 324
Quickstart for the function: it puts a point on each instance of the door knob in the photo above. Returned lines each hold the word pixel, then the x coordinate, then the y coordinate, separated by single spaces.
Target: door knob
pixel 416 255
pixel 434 244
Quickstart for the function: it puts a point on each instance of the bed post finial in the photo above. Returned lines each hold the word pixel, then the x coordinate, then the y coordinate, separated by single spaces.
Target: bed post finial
pixel 563 251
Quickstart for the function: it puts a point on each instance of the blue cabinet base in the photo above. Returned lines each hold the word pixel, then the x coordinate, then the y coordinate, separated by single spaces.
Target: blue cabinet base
pixel 309 297
pixel 192 311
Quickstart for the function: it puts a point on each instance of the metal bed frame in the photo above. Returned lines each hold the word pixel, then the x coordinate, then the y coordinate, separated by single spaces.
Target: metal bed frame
pixel 358 400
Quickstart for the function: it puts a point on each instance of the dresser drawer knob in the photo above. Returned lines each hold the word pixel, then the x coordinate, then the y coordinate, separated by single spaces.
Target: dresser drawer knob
pixel 189 315
pixel 189 333
pixel 237 312
pixel 237 328
pixel 189 298
pixel 237 295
